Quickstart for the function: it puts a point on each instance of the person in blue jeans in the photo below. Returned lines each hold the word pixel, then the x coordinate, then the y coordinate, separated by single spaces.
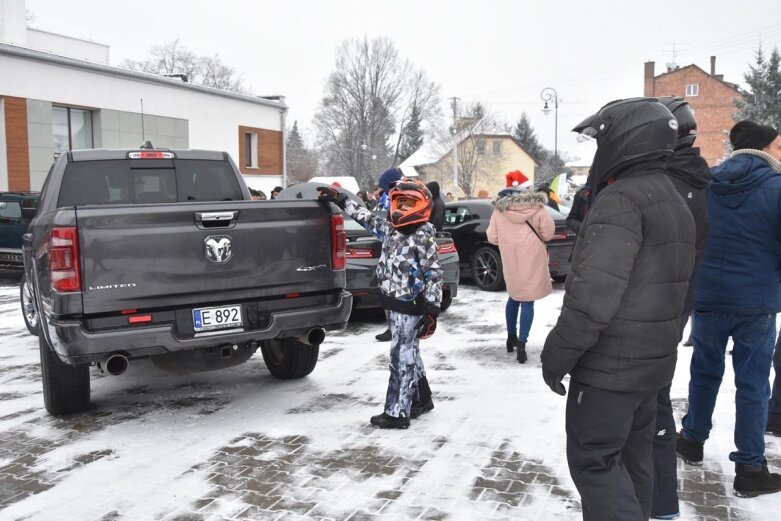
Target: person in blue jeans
pixel 737 296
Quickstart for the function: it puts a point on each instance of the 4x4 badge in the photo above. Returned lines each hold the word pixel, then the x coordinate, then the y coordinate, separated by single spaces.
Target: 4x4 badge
pixel 218 248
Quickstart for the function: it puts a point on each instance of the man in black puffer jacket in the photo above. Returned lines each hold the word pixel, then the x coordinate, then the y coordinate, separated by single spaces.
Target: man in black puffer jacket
pixel 690 174
pixel 619 327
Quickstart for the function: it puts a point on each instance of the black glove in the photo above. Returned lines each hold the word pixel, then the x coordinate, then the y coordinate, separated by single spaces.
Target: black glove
pixel 554 381
pixel 332 195
pixel 428 322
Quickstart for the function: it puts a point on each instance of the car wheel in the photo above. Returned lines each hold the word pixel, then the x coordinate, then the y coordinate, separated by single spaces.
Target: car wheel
pixel 289 358
pixel 65 387
pixel 486 265
pixel 559 278
pixel 29 308
pixel 446 301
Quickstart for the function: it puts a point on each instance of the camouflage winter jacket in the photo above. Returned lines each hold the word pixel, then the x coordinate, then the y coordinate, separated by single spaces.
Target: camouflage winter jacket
pixel 408 271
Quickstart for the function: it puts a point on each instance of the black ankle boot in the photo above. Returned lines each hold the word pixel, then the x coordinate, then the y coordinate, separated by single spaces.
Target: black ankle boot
pixel 753 480
pixel 521 352
pixel 385 336
pixel 512 340
pixel 384 421
pixel 419 408
pixel 689 451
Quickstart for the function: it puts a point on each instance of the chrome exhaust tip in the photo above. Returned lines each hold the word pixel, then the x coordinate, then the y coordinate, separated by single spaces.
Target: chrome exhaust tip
pixel 115 364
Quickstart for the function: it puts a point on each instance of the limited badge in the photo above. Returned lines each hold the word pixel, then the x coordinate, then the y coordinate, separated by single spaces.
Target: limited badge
pixel 218 248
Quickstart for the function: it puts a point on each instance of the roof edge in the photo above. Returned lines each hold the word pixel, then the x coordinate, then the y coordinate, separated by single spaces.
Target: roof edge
pixel 55 59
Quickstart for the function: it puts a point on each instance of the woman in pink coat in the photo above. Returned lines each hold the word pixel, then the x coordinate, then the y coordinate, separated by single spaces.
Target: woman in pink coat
pixel 520 225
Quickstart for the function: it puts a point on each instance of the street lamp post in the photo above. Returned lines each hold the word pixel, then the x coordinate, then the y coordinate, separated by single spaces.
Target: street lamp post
pixel 549 94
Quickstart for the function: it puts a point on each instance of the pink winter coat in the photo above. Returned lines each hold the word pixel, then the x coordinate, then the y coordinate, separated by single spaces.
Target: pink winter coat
pixel 524 256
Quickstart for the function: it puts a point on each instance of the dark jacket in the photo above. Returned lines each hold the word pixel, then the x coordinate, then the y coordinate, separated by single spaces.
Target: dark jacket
pixel 690 174
pixel 619 326
pixel 438 206
pixel 740 271
pixel 581 202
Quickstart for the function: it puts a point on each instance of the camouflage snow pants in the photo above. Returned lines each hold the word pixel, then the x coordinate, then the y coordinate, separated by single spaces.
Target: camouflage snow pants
pixel 406 367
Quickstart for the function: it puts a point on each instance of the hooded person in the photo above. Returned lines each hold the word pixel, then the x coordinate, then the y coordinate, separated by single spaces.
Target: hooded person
pixel 387 179
pixel 521 226
pixel 438 206
pixel 619 327
pixel 690 175
pixel 737 295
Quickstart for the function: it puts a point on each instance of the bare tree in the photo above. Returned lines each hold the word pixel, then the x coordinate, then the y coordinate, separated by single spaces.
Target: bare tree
pixel 469 134
pixel 368 100
pixel 172 58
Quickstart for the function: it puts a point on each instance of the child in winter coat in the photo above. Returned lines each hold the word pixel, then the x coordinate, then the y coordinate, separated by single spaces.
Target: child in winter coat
pixel 410 280
pixel 520 225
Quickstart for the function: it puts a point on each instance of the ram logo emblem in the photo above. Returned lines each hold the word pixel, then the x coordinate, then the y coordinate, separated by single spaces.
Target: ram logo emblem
pixel 218 248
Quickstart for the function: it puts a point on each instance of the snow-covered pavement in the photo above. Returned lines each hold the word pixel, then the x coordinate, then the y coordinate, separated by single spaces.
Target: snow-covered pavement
pixel 238 444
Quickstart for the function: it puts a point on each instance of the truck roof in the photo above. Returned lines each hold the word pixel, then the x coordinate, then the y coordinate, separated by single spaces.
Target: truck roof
pixel 98 154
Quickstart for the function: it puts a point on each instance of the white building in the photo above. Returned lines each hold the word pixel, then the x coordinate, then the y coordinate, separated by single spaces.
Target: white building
pixel 59 93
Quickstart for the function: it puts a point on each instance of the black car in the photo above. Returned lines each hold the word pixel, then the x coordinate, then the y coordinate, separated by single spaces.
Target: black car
pixel 17 209
pixel 363 252
pixel 467 222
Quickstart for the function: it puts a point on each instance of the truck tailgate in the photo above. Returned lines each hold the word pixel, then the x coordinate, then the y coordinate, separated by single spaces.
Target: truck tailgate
pixel 144 256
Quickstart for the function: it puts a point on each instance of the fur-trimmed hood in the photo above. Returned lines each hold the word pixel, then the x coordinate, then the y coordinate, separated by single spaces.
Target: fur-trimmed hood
pixel 520 198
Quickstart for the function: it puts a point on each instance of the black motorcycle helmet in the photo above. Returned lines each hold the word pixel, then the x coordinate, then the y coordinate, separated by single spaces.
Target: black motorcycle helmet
pixel 626 131
pixel 687 125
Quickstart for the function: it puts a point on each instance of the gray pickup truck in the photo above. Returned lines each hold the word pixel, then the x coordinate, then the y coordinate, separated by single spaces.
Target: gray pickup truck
pixel 162 254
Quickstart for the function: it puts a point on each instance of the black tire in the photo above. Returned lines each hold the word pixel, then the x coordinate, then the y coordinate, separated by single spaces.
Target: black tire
pixel 486 266
pixel 29 307
pixel 289 358
pixel 65 387
pixel 446 301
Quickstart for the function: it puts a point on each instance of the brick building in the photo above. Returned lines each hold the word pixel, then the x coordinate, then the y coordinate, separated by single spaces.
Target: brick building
pixel 712 99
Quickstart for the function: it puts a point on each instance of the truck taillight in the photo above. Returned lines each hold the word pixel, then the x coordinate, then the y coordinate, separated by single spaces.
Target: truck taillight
pixel 338 242
pixel 446 247
pixel 64 271
pixel 359 252
pixel 560 236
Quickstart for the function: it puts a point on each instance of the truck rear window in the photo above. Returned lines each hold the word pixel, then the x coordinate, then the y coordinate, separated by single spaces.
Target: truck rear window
pixel 147 181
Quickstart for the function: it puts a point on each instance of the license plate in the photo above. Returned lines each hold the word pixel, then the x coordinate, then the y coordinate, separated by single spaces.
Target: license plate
pixel 221 317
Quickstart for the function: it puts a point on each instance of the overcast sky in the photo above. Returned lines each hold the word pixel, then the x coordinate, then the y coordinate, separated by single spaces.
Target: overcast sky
pixel 500 52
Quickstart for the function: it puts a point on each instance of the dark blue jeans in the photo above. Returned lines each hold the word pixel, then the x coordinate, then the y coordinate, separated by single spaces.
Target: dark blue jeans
pixel 527 317
pixel 775 398
pixel 753 337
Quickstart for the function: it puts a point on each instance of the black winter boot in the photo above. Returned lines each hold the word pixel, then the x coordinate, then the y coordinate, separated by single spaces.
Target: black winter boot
pixel 384 421
pixel 689 451
pixel 773 424
pixel 385 336
pixel 425 404
pixel 753 480
pixel 521 352
pixel 512 340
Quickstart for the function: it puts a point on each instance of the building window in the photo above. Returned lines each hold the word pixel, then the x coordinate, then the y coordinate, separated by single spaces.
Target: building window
pixel 692 89
pixel 481 146
pixel 497 148
pixel 71 129
pixel 250 150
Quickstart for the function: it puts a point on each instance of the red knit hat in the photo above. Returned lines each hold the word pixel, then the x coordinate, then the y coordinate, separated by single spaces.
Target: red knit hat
pixel 515 179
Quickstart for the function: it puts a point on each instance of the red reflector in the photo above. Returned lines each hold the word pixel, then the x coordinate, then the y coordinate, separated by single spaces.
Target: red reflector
pixel 338 242
pixel 63 250
pixel 293 295
pixel 560 236
pixel 139 319
pixel 358 253
pixel 448 247
pixel 128 311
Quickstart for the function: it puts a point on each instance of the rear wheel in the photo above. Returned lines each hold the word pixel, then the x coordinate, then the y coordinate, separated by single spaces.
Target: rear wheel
pixel 65 387
pixel 486 267
pixel 289 358
pixel 447 299
pixel 29 309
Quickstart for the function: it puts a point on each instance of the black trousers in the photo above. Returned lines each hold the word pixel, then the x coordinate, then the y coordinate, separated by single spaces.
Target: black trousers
pixel 665 499
pixel 609 451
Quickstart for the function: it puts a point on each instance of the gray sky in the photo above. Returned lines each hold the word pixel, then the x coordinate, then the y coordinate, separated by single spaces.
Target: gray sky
pixel 500 52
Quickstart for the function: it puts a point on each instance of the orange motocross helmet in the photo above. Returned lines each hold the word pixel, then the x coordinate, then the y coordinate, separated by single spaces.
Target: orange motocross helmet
pixel 410 203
